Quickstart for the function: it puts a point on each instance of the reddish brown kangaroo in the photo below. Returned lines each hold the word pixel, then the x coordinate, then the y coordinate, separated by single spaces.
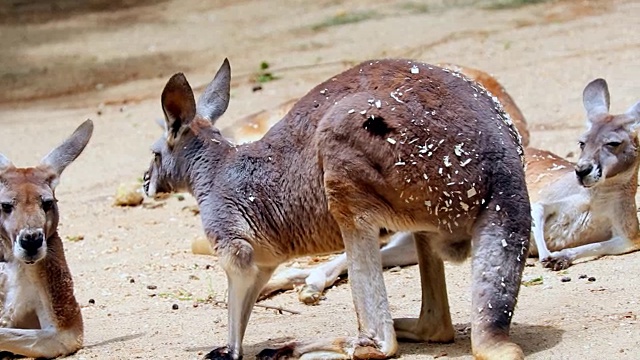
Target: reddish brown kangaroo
pixel 389 145
pixel 578 210
pixel 40 315
pixel 253 126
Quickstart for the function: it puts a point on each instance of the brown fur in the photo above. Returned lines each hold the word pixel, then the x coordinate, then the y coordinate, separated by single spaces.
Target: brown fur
pixel 575 221
pixel 387 145
pixel 58 282
pixel 252 127
pixel 496 89
pixel 570 231
pixel 34 274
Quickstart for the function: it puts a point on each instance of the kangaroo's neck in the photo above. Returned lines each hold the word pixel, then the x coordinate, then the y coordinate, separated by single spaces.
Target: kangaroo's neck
pixel 50 280
pixel 201 158
pixel 58 283
pixel 622 186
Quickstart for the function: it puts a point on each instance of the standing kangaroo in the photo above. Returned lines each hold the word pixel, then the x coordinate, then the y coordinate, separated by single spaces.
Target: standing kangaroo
pixel 388 145
pixel 578 210
pixel 40 315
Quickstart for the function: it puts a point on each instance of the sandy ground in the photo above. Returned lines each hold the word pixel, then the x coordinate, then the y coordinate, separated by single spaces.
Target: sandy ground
pixel 64 61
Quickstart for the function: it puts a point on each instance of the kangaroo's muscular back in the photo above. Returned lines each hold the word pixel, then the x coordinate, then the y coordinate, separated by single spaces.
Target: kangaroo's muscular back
pixel 409 132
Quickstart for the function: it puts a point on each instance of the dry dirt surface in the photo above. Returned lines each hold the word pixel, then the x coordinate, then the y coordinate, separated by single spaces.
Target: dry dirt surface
pixel 146 296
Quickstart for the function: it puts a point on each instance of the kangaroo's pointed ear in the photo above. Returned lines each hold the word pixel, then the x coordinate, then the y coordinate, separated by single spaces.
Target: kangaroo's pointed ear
pixel 63 155
pixel 634 116
pixel 595 98
pixel 215 99
pixel 5 163
pixel 178 104
pixel 634 111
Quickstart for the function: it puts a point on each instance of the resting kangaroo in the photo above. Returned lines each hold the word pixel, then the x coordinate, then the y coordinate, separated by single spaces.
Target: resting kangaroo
pixel 588 208
pixel 388 145
pixel 578 211
pixel 40 315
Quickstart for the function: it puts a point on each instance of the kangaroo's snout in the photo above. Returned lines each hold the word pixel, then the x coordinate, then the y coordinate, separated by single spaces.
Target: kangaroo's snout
pixel 31 240
pixel 588 174
pixel 583 170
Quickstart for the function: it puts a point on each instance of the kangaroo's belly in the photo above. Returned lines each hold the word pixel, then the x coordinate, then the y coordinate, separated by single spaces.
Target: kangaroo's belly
pixel 574 228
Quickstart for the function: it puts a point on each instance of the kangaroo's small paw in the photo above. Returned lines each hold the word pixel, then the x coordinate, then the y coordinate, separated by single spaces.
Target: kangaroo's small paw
pixel 366 348
pixel 556 262
pixel 368 352
pixel 221 353
pixel 284 352
pixel 309 294
pixel 500 351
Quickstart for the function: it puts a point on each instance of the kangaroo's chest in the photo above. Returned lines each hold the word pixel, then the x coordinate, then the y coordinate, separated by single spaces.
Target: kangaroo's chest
pixel 22 305
pixel 574 223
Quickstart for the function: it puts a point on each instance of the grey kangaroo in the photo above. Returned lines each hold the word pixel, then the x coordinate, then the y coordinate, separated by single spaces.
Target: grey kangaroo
pixel 578 210
pixel 386 146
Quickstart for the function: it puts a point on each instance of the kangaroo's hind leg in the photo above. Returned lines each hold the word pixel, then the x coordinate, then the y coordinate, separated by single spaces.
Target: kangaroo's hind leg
pixel 500 246
pixel 434 323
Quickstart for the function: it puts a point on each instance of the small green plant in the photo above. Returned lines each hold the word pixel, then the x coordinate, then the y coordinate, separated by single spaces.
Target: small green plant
pixel 210 299
pixel 75 238
pixel 345 18
pixel 179 294
pixel 264 75
pixel 532 282
pixel 511 4
pixel 415 7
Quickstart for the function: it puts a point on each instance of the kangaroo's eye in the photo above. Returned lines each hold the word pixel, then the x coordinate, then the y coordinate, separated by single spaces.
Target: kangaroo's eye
pixel 47 205
pixel 581 144
pixel 613 144
pixel 7 208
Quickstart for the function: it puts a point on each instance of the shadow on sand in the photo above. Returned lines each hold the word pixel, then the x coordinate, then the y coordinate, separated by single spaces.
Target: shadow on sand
pixel 532 339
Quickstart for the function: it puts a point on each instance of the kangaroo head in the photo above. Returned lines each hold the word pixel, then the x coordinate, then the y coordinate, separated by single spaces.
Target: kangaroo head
pixel 609 147
pixel 184 121
pixel 29 213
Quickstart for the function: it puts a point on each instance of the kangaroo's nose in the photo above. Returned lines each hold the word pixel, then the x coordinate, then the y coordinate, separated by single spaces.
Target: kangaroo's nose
pixel 31 241
pixel 583 170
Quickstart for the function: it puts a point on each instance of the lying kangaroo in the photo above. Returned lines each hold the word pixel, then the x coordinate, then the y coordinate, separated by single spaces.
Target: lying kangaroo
pixel 578 211
pixel 589 208
pixel 388 145
pixel 40 315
